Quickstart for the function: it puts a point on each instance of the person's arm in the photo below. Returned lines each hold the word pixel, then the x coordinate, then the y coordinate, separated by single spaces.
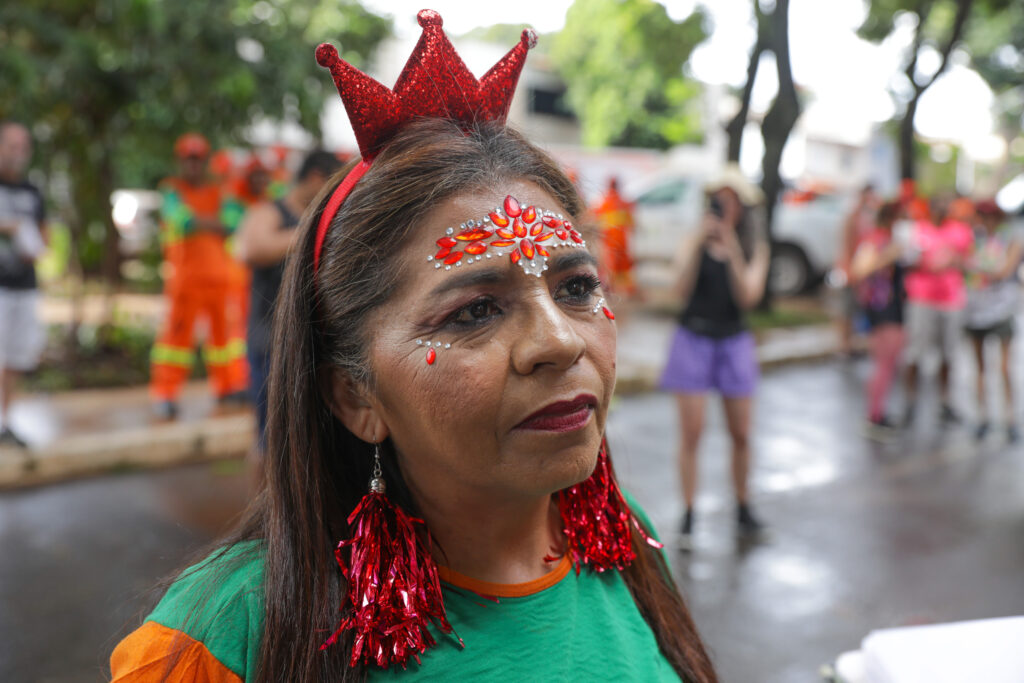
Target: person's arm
pixel 686 264
pixel 870 259
pixel 748 278
pixel 261 241
pixel 1014 253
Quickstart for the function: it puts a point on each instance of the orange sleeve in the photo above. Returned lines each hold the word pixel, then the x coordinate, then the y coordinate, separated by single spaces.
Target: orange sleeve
pixel 154 653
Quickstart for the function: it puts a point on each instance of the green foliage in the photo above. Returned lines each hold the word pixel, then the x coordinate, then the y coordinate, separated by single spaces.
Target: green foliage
pixel 623 63
pixel 107 85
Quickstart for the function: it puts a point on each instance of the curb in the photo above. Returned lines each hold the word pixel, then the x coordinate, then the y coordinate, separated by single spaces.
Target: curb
pixel 161 445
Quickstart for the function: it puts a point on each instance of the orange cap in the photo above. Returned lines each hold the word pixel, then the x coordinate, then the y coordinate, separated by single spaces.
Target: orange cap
pixel 191 145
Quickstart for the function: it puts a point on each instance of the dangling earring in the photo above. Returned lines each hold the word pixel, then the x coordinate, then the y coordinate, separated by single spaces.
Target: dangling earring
pixel 597 522
pixel 393 590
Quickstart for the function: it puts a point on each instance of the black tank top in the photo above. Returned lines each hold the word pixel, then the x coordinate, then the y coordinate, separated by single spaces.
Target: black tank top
pixel 266 281
pixel 712 310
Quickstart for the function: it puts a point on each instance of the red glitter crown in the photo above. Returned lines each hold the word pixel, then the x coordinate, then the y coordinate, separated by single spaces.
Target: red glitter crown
pixel 434 83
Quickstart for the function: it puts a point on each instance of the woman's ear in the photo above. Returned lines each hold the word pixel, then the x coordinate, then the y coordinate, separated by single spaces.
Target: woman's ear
pixel 349 404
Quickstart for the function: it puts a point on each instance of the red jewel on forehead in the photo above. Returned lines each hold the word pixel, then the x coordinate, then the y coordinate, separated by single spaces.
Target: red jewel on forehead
pixel 509 230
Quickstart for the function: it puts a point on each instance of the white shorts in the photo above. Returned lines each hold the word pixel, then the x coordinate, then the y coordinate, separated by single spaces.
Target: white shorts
pixel 21 333
pixel 931 328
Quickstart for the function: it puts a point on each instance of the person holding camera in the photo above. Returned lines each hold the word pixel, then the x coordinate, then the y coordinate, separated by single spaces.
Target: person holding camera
pixel 722 271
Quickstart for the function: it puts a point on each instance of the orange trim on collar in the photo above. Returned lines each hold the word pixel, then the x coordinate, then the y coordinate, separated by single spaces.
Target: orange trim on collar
pixel 507 590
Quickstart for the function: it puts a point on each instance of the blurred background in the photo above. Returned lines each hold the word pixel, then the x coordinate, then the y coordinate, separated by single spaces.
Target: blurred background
pixel 102 493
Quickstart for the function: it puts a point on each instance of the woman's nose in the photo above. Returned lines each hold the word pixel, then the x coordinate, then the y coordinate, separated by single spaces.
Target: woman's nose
pixel 548 338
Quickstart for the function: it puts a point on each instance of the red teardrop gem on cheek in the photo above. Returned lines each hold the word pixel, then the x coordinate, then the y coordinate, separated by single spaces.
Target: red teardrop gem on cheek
pixel 444 251
pixel 608 314
pixel 512 207
pixel 506 234
pixel 551 222
pixel 474 235
pixel 545 237
pixel 542 251
pixel 498 219
pixel 529 214
pixel 562 234
pixel 446 242
pixel 453 258
pixel 527 247
pixel 515 256
pixel 431 356
pixel 536 228
pixel 576 237
pixel 503 243
pixel 519 228
pixel 476 248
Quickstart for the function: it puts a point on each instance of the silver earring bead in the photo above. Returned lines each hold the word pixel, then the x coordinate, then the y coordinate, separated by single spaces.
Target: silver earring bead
pixel 377 480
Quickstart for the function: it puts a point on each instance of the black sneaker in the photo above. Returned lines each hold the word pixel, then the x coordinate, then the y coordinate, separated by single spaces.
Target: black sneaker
pixel 685 542
pixel 9 438
pixel 747 525
pixel 880 429
pixel 981 431
pixel 235 398
pixel 165 410
pixel 908 416
pixel 948 416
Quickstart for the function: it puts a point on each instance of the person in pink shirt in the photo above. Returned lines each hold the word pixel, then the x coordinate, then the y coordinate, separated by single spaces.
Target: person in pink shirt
pixel 936 297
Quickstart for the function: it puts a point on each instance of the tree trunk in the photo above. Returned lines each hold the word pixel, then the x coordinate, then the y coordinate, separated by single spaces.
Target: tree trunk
pixel 780 119
pixel 739 121
pixel 908 161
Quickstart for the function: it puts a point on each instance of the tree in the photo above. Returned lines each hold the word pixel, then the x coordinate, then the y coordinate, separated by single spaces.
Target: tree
pixel 995 40
pixel 772 36
pixel 109 84
pixel 940 25
pixel 623 62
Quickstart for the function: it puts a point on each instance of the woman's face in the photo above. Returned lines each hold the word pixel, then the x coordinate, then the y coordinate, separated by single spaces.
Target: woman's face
pixel 731 207
pixel 515 407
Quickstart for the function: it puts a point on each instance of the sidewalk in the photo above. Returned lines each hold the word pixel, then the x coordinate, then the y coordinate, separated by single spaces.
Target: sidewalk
pixel 87 432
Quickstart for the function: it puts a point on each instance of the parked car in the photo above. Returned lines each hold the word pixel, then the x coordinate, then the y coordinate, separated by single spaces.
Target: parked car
pixel 805 238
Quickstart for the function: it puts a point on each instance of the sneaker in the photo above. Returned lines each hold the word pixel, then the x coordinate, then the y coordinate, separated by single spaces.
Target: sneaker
pixel 948 416
pixel 1012 434
pixel 165 410
pixel 908 416
pixel 235 398
pixel 9 438
pixel 685 541
pixel 981 431
pixel 747 525
pixel 880 429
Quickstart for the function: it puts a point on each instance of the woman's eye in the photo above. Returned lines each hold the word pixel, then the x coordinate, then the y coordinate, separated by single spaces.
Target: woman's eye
pixel 578 288
pixel 477 311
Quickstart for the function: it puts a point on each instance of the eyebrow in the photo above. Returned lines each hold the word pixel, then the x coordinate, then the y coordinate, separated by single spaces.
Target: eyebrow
pixel 497 275
pixel 490 276
pixel 577 257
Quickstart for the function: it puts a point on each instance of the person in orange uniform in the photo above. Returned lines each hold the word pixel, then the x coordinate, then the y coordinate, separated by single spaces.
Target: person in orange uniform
pixel 615 217
pixel 197 217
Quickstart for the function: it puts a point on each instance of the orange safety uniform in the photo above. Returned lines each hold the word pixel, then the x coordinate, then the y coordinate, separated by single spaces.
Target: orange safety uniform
pixel 615 218
pixel 198 285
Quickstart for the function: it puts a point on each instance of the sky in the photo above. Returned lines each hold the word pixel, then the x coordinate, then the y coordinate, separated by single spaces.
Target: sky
pixel 848 78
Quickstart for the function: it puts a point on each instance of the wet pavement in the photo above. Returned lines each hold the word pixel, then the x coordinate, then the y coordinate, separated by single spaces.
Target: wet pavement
pixel 925 528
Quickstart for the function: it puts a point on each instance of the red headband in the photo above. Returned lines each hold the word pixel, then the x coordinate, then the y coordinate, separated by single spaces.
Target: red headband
pixel 435 83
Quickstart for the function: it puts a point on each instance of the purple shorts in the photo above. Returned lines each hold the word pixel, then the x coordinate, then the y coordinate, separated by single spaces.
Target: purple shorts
pixel 699 364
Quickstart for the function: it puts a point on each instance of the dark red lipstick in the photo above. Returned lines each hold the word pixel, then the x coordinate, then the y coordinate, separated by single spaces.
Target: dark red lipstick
pixel 562 416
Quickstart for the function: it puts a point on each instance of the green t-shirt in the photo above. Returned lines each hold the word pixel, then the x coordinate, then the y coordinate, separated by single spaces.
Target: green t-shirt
pixel 583 627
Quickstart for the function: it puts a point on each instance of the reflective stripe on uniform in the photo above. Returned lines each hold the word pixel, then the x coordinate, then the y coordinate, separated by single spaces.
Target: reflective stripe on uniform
pixel 222 355
pixel 172 355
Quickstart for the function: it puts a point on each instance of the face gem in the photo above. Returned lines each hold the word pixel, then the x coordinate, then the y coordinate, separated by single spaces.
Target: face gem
pixel 431 356
pixel 517 232
pixel 512 207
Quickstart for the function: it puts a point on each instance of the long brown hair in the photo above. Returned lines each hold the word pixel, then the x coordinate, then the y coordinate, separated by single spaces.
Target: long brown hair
pixel 316 469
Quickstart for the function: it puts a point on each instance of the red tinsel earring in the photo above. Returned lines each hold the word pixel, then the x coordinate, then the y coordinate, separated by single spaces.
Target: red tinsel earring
pixel 598 523
pixel 393 592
